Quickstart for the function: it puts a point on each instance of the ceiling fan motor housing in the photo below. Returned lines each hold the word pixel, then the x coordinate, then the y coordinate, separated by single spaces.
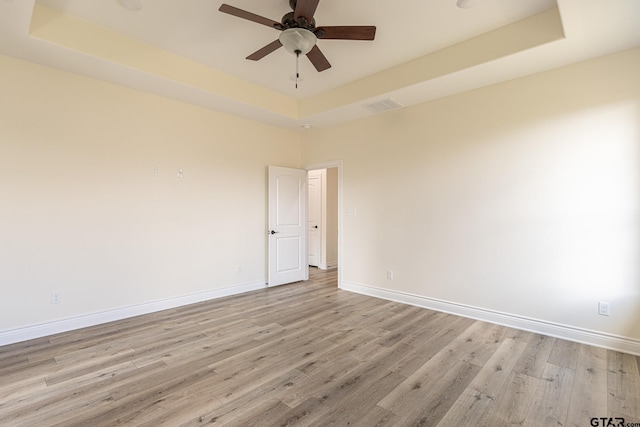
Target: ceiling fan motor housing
pixel 289 21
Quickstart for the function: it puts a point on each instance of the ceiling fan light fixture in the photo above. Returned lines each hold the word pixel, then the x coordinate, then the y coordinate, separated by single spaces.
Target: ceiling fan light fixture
pixel 298 40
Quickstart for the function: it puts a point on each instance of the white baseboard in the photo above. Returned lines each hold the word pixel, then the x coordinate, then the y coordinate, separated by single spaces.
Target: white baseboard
pixel 65 325
pixel 570 333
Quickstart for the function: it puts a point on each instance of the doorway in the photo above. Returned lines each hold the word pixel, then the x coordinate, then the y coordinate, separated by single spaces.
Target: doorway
pixel 322 213
pixel 287 210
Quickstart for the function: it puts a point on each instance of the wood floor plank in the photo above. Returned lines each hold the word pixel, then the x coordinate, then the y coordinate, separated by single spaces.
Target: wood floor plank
pixel 58 412
pixel 411 358
pixel 534 359
pixel 305 414
pixel 351 398
pixel 512 405
pixel 623 384
pixel 442 332
pixel 469 409
pixel 552 398
pixel 246 402
pixel 16 391
pixel 589 392
pixel 32 369
pixel 428 344
pixel 71 371
pixel 16 361
pixel 50 398
pixel 309 354
pixel 180 408
pixel 328 357
pixel 324 378
pixel 376 417
pixel 426 396
pixel 129 402
pixel 239 383
pixel 493 376
pixel 479 341
pixel 260 415
pixel 24 348
pixel 564 353
pixel 442 395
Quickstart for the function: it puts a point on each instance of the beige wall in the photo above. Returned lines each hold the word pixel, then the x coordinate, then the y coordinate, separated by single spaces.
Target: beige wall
pixel 522 198
pixel 81 212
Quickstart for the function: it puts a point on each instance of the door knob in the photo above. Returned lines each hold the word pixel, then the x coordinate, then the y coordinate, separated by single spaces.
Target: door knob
pixel 315 226
pixel 273 232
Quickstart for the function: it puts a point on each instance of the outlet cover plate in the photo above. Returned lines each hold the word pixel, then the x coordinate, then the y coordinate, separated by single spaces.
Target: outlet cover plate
pixel 604 309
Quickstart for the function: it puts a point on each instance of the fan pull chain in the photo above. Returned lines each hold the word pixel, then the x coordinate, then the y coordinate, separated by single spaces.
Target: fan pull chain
pixel 297 67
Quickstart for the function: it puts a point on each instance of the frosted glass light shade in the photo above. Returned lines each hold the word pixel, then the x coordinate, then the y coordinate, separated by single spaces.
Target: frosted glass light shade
pixel 298 39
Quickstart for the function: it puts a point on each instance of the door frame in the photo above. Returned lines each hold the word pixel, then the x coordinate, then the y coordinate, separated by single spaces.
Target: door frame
pixel 329 165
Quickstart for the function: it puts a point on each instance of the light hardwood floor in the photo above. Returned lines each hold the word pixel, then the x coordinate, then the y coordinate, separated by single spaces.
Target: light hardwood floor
pixel 310 354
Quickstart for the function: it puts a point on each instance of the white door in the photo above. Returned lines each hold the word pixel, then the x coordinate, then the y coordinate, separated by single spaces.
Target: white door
pixel 287 225
pixel 315 218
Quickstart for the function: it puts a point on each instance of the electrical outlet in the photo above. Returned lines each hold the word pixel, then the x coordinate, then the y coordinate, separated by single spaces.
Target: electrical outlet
pixel 56 298
pixel 389 274
pixel 604 309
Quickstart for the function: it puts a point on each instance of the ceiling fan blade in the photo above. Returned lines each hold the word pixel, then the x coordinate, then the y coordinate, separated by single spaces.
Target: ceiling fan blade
pixel 225 8
pixel 346 33
pixel 318 59
pixel 261 53
pixel 306 8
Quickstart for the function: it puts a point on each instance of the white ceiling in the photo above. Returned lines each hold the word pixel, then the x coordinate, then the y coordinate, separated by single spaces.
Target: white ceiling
pixel 411 37
pixel 195 29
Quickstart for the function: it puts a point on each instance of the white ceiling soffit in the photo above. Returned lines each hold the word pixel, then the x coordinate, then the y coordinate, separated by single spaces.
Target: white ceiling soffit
pixel 423 50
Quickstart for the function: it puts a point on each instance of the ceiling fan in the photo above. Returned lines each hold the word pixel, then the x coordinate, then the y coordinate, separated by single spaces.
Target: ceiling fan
pixel 299 32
